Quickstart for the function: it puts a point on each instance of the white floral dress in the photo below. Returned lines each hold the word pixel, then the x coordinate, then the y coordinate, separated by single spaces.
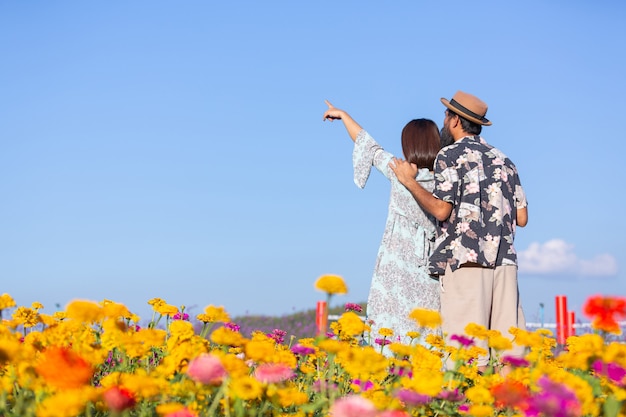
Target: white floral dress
pixel 401 282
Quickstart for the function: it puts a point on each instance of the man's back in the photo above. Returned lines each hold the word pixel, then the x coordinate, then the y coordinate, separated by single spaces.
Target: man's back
pixel 484 189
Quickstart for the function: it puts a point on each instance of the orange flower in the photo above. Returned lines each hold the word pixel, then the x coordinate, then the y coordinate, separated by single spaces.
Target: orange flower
pixel 510 393
pixel 64 368
pixel 603 311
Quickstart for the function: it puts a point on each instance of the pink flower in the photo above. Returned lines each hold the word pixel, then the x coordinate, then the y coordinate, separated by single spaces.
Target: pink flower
pixel 272 373
pixel 206 369
pixel 353 406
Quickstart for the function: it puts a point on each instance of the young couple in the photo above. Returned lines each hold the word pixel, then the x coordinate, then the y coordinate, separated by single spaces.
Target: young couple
pixel 448 242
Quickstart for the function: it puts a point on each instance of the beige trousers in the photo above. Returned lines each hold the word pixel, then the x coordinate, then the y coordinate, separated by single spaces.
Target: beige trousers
pixel 485 296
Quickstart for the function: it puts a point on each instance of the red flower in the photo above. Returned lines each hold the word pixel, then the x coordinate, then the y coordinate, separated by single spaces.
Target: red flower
pixel 604 310
pixel 118 399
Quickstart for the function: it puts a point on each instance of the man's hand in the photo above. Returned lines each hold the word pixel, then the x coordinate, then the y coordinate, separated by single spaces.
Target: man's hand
pixel 403 170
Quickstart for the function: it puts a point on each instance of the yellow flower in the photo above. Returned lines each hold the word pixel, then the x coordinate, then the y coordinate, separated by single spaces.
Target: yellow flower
pixel 66 403
pixel 426 318
pixel 498 342
pixel 166 309
pixel 364 364
pixel 59 315
pixel 383 331
pixel 331 345
pixel 214 314
pixel 169 408
pixel 480 410
pixel 351 324
pixel 36 305
pixel 426 382
pixel 479 395
pixel 227 337
pixel 235 366
pixel 331 284
pixel 291 396
pixel 435 341
pixel 246 388
pixel 6 301
pixel 476 330
pixel 259 350
pixel 26 316
pixel 156 301
pixel 84 311
pixel 413 335
pixel 115 310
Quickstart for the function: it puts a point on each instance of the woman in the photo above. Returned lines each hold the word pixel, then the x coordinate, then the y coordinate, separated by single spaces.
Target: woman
pixel 401 282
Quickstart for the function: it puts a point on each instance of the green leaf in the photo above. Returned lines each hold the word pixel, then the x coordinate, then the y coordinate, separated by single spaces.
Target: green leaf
pixel 611 406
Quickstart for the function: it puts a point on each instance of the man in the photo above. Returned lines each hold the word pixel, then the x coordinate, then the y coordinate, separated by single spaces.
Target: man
pixel 479 200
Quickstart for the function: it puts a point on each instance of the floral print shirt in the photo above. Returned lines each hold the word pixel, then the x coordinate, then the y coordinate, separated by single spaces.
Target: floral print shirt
pixel 484 188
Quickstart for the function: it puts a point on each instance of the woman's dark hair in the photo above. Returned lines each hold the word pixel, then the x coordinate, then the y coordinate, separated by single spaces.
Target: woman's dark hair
pixel 420 142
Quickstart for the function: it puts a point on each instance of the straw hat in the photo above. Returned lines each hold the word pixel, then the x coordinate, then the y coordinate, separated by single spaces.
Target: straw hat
pixel 468 106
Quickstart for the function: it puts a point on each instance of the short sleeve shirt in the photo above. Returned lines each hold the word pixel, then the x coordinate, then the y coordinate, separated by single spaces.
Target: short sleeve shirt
pixel 484 188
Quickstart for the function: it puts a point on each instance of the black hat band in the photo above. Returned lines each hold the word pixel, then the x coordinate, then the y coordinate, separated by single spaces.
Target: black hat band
pixel 467 111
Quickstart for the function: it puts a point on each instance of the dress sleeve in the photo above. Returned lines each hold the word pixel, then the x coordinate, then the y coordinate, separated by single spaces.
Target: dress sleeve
pixel 368 153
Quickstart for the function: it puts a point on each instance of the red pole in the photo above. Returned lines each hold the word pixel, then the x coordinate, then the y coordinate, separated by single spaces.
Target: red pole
pixel 321 317
pixel 561 318
pixel 570 323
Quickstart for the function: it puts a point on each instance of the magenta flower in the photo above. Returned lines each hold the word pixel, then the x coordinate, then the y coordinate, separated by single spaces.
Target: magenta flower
pixel 554 400
pixel 354 307
pixel 365 385
pixel 206 369
pixel 463 340
pixel 278 335
pixel 515 362
pixel 179 316
pixel 273 373
pixel 232 326
pixel 400 371
pixel 353 406
pixel 382 342
pixel 302 350
pixel 411 397
pixel 451 395
pixel 611 370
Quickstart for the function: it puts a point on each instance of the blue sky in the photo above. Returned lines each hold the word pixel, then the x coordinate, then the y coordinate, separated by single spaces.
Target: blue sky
pixel 177 149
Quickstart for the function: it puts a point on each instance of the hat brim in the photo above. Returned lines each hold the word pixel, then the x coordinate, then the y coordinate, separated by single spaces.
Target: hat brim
pixel 453 109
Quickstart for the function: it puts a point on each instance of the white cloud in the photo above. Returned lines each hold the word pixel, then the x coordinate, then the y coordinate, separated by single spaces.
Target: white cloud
pixel 557 257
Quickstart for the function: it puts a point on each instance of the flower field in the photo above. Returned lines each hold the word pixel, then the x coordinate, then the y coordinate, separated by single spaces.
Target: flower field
pixel 93 359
